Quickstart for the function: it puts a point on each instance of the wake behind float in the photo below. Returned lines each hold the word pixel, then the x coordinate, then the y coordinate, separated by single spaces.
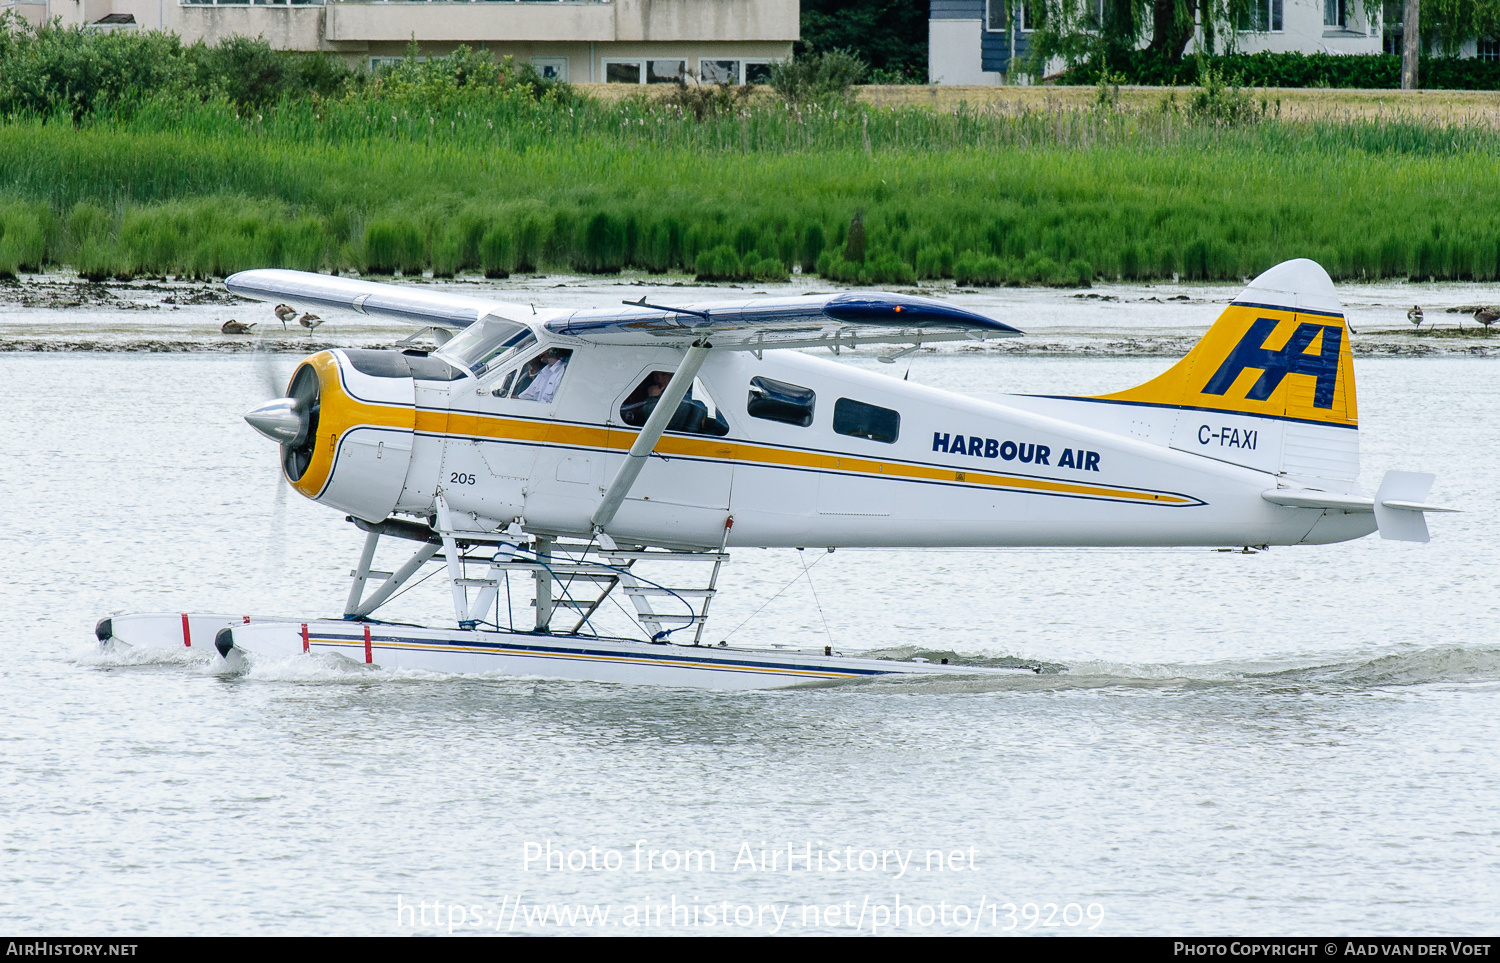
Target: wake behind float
pixel 596 453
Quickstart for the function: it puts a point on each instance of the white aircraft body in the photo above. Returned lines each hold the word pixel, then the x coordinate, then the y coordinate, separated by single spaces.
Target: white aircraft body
pixel 580 448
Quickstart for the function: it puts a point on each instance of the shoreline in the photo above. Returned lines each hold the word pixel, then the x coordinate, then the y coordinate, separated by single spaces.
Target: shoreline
pixel 1377 346
pixel 62 313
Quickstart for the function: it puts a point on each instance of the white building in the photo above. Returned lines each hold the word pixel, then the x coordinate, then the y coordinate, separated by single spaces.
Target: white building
pixel 968 42
pixel 581 41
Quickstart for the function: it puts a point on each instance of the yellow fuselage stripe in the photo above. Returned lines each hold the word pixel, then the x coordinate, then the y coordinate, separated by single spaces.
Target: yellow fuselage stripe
pixel 500 428
pixel 340 412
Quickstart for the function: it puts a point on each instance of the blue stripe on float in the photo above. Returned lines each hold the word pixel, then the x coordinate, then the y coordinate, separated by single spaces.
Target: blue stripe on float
pixel 593 654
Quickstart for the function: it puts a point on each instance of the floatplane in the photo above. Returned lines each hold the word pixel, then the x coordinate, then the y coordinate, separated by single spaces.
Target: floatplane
pixel 579 450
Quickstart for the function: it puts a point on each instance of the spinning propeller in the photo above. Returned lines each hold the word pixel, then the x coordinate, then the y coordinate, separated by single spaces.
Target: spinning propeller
pixel 292 421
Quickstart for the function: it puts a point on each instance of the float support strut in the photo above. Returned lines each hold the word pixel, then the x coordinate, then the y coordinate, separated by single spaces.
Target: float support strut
pixel 543 583
pixel 397 579
pixel 455 566
pixel 361 574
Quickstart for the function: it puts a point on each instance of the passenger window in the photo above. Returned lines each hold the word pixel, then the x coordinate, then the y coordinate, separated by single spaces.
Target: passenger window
pixel 859 420
pixel 538 379
pixel 779 401
pixel 696 415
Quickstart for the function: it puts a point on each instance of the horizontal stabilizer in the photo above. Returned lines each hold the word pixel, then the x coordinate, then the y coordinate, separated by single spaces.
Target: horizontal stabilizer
pixel 1415 506
pixel 1400 488
pixel 1309 498
pixel 302 289
pixel 1398 505
pixel 833 320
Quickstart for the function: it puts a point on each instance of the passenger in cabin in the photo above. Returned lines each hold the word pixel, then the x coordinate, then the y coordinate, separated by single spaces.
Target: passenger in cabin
pixel 544 373
pixel 642 400
pixel 692 415
pixel 657 384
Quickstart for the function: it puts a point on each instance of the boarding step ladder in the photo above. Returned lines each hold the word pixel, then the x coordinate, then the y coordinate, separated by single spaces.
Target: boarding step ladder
pixel 642 592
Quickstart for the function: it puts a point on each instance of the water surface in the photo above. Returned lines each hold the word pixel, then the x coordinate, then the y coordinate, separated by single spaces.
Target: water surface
pixel 1296 741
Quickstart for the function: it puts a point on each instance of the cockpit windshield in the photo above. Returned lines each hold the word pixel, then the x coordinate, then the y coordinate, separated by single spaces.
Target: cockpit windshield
pixel 487 343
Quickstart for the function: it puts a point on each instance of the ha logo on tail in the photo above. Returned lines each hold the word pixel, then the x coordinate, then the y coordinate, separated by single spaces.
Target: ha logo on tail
pixel 1271 386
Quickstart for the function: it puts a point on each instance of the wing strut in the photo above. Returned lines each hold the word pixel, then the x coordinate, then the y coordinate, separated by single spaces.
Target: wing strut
pixel 651 432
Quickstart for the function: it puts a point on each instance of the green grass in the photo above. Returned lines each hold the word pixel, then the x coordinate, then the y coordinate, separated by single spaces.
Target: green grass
pixel 498 183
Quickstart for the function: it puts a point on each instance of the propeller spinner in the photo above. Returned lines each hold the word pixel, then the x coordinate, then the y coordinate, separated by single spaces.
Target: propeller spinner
pixel 292 422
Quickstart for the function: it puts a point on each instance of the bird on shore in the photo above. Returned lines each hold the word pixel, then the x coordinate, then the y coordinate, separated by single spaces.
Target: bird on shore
pixel 309 321
pixel 1415 315
pixel 236 327
pixel 285 313
pixel 1487 315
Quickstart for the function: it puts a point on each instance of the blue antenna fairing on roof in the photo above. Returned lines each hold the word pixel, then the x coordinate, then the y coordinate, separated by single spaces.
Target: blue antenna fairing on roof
pixel 905 311
pixel 804 314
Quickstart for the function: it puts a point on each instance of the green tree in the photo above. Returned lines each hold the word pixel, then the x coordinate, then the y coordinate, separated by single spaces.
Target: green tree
pixel 889 35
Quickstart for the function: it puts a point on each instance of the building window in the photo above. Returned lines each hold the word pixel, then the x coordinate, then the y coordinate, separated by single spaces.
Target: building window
pixel 859 420
pixel 666 71
pixel 379 63
pixel 1489 49
pixel 622 71
pixel 1029 13
pixel 758 71
pixel 257 3
pixel 552 68
pixel 645 71
pixel 1263 16
pixel 718 71
pixel 1334 13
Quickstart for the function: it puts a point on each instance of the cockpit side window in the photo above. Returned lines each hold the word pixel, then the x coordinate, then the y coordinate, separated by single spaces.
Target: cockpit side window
pixel 696 414
pixel 487 344
pixel 538 379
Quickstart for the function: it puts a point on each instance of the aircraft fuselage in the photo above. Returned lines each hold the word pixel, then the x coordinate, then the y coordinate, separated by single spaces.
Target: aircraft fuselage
pixel 879 462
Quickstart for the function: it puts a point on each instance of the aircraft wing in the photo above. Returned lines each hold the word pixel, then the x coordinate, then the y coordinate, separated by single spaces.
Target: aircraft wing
pixel 832 319
pixel 835 320
pixel 402 302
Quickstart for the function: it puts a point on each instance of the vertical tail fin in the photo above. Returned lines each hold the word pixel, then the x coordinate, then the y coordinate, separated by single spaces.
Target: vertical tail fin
pixel 1276 365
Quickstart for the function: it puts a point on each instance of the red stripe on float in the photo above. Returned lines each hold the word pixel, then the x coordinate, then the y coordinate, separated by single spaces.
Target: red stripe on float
pixel 187 636
pixel 368 658
pixel 304 637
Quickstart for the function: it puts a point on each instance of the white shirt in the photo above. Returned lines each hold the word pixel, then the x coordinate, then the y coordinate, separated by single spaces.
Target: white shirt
pixel 544 386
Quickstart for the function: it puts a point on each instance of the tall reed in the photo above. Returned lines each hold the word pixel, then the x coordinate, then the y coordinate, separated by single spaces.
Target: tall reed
pixel 495 183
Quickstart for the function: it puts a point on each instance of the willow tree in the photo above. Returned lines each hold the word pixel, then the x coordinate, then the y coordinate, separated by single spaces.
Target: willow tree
pixel 1079 30
pixel 1448 24
pixel 1443 26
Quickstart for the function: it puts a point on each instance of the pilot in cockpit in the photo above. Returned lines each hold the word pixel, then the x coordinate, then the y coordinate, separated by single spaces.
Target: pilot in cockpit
pixel 545 373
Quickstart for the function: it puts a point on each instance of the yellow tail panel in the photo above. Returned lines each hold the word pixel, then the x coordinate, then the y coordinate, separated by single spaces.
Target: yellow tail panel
pixel 1262 360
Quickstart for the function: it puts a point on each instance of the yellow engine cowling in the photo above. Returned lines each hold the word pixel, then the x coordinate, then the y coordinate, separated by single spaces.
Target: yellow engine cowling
pixel 355 447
